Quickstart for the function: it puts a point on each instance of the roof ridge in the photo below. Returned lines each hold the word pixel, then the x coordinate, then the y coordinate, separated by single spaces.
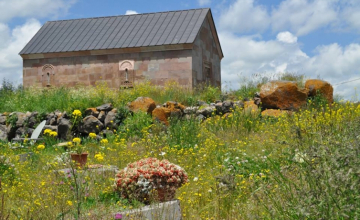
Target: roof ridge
pixel 128 15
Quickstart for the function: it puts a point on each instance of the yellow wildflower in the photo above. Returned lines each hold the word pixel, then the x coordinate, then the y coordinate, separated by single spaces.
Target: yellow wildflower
pixel 92 135
pixel 77 140
pixel 47 131
pixel 99 157
pixel 69 203
pixel 76 113
pixel 104 141
pixel 53 134
pixel 41 147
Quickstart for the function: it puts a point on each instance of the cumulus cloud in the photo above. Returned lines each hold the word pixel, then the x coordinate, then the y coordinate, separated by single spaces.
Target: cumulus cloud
pixel 244 16
pixel 286 37
pixel 131 12
pixel 16 39
pixel 303 16
pixel 31 8
pixel 332 63
pixel 204 2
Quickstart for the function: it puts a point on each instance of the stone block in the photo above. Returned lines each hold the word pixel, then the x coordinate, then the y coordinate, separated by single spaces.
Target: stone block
pixel 161 211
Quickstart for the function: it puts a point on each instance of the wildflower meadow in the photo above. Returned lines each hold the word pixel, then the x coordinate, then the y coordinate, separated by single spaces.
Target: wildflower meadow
pixel 304 165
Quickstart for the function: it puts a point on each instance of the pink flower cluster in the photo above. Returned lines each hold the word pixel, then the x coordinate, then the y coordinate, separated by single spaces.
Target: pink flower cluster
pixel 157 174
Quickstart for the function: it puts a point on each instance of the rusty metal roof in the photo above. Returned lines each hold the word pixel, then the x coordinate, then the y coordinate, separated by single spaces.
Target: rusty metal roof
pixel 124 31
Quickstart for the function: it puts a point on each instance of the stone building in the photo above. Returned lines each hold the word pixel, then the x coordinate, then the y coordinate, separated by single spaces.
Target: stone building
pixel 181 46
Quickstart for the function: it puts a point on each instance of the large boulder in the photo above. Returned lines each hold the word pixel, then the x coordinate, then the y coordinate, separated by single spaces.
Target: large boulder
pixel 317 86
pixel 282 95
pixel 161 114
pixel 90 124
pixel 145 104
pixel 63 128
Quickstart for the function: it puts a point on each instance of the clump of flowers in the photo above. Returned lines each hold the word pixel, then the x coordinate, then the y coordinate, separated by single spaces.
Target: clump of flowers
pixel 104 142
pixel 47 131
pixel 139 180
pixel 99 157
pixel 92 135
pixel 76 113
pixel 50 133
pixel 40 147
pixel 76 146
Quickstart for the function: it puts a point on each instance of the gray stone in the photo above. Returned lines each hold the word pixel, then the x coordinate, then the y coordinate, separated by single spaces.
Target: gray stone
pixel 53 128
pixel 63 128
pixel 110 121
pixel 201 103
pixel 3 120
pixel 106 132
pixel 239 104
pixel 224 107
pixel 21 119
pixel 257 100
pixel 159 211
pixel 207 111
pixel 52 121
pixel 91 111
pixel 102 116
pixel 191 110
pixel 200 117
pixel 90 124
pixel 105 107
pixel 3 133
pixel 23 132
pixel 31 122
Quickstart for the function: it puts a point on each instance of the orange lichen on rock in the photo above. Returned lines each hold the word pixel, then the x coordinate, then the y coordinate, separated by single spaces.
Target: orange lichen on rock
pixel 282 95
pixel 250 106
pixel 161 114
pixel 274 112
pixel 145 104
pixel 316 86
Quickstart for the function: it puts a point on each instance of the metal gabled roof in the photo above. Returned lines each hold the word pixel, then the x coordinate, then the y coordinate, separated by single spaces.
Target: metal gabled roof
pixel 124 31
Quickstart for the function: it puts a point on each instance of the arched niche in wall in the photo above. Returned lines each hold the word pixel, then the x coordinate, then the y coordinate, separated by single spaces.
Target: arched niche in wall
pixel 48 75
pixel 127 74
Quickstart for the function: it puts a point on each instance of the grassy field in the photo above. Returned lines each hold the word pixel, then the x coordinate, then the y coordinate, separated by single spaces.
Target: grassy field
pixel 300 166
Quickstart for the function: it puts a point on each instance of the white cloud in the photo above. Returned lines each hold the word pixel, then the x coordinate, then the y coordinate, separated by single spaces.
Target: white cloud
pixel 332 63
pixel 10 61
pixel 204 2
pixel 244 16
pixel 131 12
pixel 286 37
pixel 303 16
pixel 31 8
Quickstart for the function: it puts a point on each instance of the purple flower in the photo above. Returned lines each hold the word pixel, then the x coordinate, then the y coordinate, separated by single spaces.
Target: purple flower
pixel 118 216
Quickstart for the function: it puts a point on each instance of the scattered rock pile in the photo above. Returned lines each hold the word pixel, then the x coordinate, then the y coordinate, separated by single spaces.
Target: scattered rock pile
pixel 275 98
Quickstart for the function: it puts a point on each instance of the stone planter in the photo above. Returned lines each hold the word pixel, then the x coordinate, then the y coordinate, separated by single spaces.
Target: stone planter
pixel 161 211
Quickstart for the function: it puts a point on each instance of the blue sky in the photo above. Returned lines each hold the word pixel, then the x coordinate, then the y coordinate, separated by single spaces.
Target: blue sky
pixel 317 38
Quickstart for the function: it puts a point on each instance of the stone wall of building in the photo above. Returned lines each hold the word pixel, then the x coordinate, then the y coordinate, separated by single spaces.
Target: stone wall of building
pixel 158 67
pixel 206 61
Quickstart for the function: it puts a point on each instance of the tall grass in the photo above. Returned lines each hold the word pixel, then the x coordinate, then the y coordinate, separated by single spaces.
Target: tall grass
pixel 240 166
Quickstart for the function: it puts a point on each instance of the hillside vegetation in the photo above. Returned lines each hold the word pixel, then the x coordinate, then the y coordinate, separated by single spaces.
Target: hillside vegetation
pixel 304 165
